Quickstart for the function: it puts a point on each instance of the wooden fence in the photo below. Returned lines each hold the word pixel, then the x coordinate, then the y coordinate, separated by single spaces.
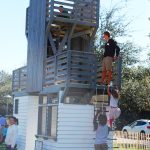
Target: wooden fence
pixel 131 141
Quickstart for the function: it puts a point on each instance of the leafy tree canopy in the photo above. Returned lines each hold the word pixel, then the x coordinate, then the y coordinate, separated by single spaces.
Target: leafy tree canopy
pixel 118 26
pixel 5 84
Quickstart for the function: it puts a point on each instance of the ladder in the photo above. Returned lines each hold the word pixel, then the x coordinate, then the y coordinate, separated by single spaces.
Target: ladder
pixel 100 102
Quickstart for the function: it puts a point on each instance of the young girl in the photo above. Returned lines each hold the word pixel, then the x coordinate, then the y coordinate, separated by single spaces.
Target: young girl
pixel 101 134
pixel 114 111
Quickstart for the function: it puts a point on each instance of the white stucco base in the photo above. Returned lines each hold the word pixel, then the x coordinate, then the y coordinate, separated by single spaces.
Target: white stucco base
pixel 28 121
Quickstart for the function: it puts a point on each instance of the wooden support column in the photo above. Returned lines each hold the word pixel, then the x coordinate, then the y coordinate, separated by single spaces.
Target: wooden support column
pixel 52 43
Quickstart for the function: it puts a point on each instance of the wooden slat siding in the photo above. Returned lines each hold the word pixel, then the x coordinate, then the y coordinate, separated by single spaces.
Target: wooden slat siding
pixel 83 59
pixel 75 8
pixel 64 67
pixel 61 62
pixel 75 127
pixel 72 67
pixel 63 72
pixel 83 62
pixel 49 77
pixel 76 72
pixel 36 45
pixel 85 23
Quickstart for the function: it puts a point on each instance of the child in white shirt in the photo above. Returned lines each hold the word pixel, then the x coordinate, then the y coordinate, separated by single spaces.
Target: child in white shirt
pixel 114 111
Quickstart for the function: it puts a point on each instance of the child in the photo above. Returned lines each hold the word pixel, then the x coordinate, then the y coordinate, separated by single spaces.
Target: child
pixel 114 111
pixel 101 134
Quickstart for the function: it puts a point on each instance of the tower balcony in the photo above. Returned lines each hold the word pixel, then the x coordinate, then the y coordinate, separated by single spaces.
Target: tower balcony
pixel 82 12
pixel 71 69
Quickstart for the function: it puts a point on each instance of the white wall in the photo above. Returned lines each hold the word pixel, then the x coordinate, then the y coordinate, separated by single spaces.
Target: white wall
pixel 75 128
pixel 28 120
pixel 32 123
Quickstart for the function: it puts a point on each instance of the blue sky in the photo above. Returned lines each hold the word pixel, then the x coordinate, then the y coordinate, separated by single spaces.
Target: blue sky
pixel 13 43
pixel 138 11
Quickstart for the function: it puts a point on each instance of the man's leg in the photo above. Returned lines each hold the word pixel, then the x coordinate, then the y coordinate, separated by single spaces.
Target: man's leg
pixel 103 76
pixel 103 71
pixel 109 73
pixel 109 69
pixel 104 147
pixel 98 147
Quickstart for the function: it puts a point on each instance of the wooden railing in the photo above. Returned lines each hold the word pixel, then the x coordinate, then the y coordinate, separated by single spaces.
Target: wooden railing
pixel 71 67
pixel 78 11
pixel 19 79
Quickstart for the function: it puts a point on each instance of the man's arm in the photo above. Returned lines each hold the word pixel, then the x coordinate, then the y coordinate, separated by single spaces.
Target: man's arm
pixel 108 90
pixel 117 50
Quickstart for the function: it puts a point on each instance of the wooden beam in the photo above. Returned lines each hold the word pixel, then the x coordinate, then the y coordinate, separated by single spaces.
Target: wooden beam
pixel 64 40
pixel 79 34
pixel 52 43
pixel 70 35
pixel 72 30
pixel 91 40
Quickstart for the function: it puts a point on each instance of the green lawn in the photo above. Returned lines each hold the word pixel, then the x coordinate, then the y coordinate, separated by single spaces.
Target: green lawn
pixel 2 147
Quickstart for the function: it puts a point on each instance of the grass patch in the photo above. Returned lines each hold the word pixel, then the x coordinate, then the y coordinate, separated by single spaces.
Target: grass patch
pixel 2 147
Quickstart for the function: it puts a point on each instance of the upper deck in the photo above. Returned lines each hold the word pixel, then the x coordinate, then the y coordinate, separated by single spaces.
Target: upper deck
pixel 84 12
pixel 72 69
pixel 80 12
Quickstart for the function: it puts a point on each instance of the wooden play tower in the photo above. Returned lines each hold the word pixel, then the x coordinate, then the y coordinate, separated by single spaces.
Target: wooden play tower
pixel 52 94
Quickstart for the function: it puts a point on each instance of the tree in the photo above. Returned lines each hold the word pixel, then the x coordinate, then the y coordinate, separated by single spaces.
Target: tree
pixel 118 27
pixel 135 95
pixel 148 60
pixel 135 81
pixel 5 92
